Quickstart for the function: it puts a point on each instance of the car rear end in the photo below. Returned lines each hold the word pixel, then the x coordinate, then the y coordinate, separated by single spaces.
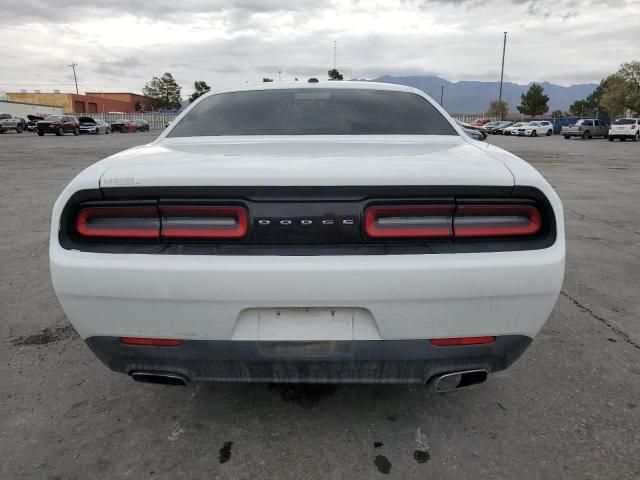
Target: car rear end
pixel 624 128
pixel 310 259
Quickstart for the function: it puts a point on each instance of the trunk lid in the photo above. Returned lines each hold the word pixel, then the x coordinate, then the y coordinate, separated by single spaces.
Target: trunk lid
pixel 306 161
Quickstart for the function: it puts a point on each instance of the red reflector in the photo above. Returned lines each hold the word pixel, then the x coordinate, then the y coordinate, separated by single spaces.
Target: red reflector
pixel 451 342
pixel 157 342
pixel 496 220
pixel 202 221
pixel 118 222
pixel 409 221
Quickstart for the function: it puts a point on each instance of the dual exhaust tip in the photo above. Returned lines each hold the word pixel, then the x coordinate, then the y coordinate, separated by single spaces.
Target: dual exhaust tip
pixel 448 382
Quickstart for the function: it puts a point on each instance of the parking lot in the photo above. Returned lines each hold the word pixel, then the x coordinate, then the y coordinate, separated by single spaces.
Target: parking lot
pixel 569 408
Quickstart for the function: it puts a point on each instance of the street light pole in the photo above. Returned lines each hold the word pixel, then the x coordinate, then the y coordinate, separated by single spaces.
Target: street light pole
pixel 74 65
pixel 504 48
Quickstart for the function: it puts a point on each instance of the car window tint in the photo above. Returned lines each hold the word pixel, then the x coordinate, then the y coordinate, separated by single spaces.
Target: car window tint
pixel 313 112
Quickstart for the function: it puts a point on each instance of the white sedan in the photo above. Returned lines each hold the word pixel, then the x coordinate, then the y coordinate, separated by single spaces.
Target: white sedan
pixel 536 128
pixel 318 232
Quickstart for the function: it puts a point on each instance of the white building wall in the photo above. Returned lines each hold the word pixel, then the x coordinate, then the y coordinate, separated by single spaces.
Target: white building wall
pixel 18 109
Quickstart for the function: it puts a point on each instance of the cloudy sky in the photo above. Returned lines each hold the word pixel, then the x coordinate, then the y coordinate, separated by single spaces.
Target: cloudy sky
pixel 121 44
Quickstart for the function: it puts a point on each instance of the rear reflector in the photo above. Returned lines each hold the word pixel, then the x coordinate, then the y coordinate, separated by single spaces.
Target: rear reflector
pixel 118 222
pixel 200 221
pixel 452 342
pixel 496 220
pixel 409 221
pixel 157 342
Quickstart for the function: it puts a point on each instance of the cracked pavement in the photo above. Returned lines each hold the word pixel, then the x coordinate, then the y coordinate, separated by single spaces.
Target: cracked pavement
pixel 569 408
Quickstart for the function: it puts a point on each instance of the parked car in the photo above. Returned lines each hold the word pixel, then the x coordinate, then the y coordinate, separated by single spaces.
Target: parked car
pixel 536 128
pixel 477 133
pixel 332 244
pixel 498 129
pixel 513 129
pixel 90 125
pixel 59 124
pixel 624 128
pixel 141 125
pixel 9 122
pixel 32 124
pixel 481 122
pixel 585 128
pixel 123 126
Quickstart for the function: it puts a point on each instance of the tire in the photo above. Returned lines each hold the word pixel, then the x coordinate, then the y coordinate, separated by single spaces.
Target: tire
pixel 610 139
pixel 76 131
pixel 636 138
pixel 59 132
pixel 107 131
pixel 19 129
pixel 623 139
pixel 40 133
pixel 586 135
pixel 549 133
pixel 534 133
pixel 566 137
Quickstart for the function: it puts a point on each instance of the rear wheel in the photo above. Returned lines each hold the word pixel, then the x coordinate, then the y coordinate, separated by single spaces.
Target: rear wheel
pixel 19 129
pixel 40 133
pixel 107 131
pixel 586 135
pixel 549 133
pixel 636 138
pixel 534 133
pixel 76 131
pixel 610 139
pixel 60 131
pixel 566 137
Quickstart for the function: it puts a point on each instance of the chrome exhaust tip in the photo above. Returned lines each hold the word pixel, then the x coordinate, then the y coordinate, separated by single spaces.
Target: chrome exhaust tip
pixel 457 380
pixel 159 378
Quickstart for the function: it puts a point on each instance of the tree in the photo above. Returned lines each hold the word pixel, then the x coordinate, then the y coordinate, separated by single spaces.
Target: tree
pixel 558 114
pixel 334 74
pixel 498 109
pixel 534 102
pixel 592 104
pixel 619 95
pixel 267 80
pixel 164 92
pixel 200 87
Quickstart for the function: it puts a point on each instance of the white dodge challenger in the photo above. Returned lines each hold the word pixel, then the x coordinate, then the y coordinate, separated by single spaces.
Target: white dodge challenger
pixel 324 232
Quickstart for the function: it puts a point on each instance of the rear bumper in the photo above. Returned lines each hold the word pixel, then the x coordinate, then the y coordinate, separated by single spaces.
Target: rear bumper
pixel 399 361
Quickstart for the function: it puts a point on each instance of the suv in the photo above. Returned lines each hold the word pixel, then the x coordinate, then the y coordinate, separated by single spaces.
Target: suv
pixel 59 124
pixel 585 128
pixel 9 122
pixel 624 128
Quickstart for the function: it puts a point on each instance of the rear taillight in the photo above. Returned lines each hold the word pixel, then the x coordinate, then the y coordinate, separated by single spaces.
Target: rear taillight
pixel 202 222
pixel 496 220
pixel 633 126
pixel 449 221
pixel 409 221
pixel 118 222
pixel 165 221
pixel 155 342
pixel 453 342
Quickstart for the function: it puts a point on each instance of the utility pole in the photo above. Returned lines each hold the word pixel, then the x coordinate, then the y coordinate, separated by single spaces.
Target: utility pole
pixel 335 50
pixel 74 65
pixel 441 95
pixel 279 75
pixel 504 48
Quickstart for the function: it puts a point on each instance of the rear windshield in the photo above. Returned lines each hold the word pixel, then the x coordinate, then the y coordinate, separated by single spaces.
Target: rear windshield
pixel 53 118
pixel 624 121
pixel 313 112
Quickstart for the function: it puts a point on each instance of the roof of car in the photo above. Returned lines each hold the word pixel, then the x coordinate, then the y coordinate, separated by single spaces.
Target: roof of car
pixel 321 85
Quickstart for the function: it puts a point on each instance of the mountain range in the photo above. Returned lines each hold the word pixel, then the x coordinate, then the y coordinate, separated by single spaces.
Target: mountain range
pixel 473 97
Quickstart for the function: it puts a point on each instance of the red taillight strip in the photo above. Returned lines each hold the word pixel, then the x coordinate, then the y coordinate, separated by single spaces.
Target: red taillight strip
pixel 453 342
pixel 488 220
pixel 157 342
pixel 438 216
pixel 202 221
pixel 118 222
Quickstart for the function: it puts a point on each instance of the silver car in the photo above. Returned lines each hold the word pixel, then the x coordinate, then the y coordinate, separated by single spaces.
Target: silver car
pixel 89 125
